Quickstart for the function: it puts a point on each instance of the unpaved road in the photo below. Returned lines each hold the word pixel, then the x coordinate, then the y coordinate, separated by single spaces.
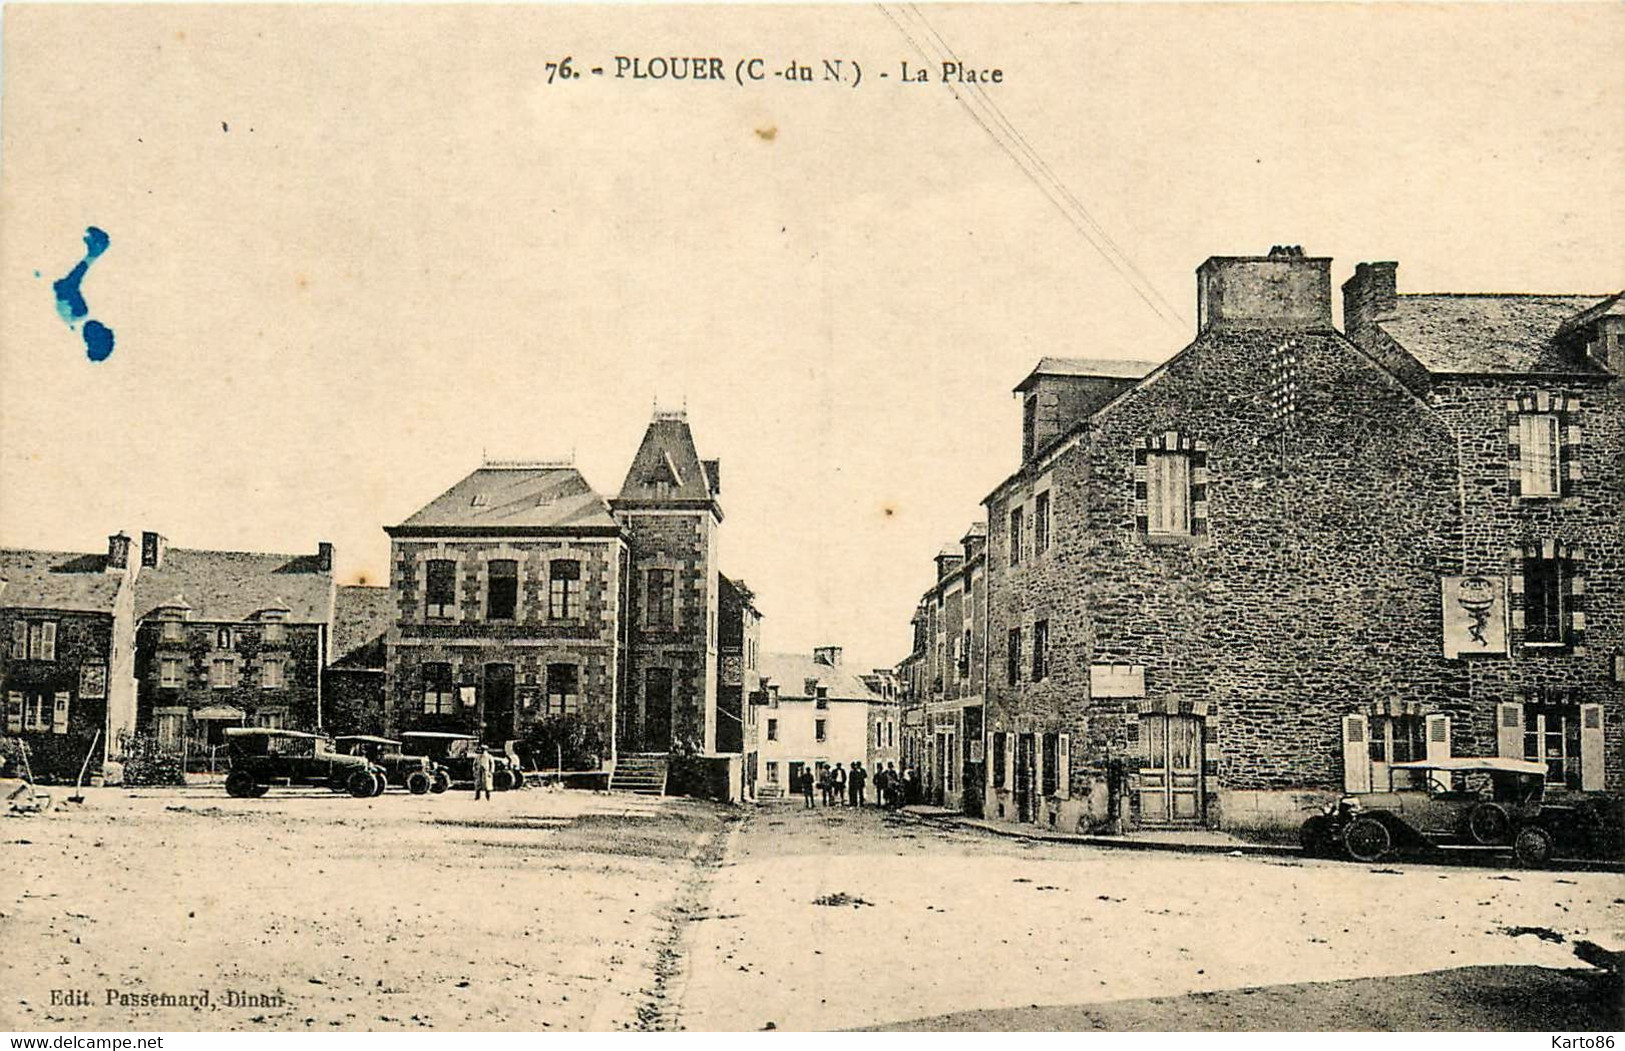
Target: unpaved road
pixel 533 911
pixel 937 922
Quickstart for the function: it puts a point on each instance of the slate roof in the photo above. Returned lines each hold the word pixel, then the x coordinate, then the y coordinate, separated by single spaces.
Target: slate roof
pixel 229 586
pixel 553 498
pixel 66 580
pixel 361 618
pixel 1478 334
pixel 1110 368
pixel 667 467
pixel 790 672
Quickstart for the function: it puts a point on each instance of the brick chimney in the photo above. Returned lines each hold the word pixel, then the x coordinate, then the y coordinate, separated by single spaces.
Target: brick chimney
pixel 153 547
pixel 1283 290
pixel 118 552
pixel 324 557
pixel 1371 295
pixel 830 655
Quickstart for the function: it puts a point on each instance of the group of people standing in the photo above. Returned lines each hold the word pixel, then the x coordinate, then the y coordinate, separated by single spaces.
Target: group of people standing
pixel 839 785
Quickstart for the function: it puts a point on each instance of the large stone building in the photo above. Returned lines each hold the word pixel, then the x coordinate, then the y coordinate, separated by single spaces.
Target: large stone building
pixel 528 608
pixel 1283 559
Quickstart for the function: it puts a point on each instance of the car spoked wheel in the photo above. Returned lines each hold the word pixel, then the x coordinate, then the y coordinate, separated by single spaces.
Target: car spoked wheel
pixel 361 784
pixel 1367 839
pixel 240 785
pixel 1315 835
pixel 442 782
pixel 418 783
pixel 1533 846
pixel 1489 824
pixel 502 780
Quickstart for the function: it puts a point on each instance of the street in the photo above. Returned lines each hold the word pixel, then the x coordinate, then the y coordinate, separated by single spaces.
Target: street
pixel 569 911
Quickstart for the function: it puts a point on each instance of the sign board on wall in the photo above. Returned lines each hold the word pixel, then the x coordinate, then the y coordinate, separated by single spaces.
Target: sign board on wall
pixel 1116 680
pixel 1475 616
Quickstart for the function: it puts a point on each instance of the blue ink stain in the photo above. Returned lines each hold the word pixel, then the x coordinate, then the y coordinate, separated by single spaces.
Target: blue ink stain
pixel 36 273
pixel 70 302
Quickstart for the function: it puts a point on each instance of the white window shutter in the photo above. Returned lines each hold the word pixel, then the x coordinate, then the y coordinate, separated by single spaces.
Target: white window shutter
pixel 1038 765
pixel 14 715
pixel 48 641
pixel 1438 737
pixel 1509 731
pixel 1356 754
pixel 987 765
pixel 1591 772
pixel 19 640
pixel 1063 755
pixel 59 713
pixel 1010 761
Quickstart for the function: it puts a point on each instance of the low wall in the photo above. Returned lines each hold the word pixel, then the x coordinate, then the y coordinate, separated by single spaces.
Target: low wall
pixel 718 777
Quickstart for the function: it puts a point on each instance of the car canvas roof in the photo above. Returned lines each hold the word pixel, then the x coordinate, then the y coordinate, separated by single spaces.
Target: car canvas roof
pixel 266 731
pixel 367 738
pixel 437 733
pixel 1489 763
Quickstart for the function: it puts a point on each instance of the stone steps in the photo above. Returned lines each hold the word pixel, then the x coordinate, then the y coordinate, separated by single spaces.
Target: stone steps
pixel 643 775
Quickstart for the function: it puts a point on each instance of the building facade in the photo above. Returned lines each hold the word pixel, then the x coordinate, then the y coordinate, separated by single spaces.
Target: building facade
pixel 739 678
pixel 818 714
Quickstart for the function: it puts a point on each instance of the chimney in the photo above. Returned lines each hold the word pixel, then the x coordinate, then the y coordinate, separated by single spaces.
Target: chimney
pixel 152 550
pixel 324 557
pixel 1283 290
pixel 118 552
pixel 830 655
pixel 1371 295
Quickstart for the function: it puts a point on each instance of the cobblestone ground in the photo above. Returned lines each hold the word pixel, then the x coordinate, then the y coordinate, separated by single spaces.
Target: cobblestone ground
pixel 830 919
pixel 533 911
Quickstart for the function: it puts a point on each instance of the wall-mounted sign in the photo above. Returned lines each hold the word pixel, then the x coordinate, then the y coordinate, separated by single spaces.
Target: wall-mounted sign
pixel 1475 616
pixel 467 694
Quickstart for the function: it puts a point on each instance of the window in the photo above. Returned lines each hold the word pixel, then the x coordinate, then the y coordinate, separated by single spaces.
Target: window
pixel 1013 657
pixel 1015 536
pixel 440 587
pixel 964 656
pixel 564 588
pixel 222 673
pixel 563 689
pixel 501 588
pixel 1041 522
pixel 880 730
pixel 1040 650
pixel 19 640
pixel 823 698
pixel 222 639
pixel 1052 763
pixel 173 631
pixel 1168 494
pixel 1540 457
pixel 1545 619
pixel 659 600
pixel 1551 735
pixel 37 713
pixel 999 745
pixel 271 718
pixel 820 730
pixel 772 773
pixel 42 640
pixel 810 687
pixel 438 696
pixel 274 633
pixel 169 671
pixel 772 729
pixel 1398 739
pixel 271 674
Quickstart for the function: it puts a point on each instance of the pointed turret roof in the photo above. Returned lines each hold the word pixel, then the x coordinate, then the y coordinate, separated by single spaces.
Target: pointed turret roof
pixel 668 471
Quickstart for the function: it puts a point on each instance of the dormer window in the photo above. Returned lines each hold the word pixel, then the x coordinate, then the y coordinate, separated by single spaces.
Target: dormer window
pixel 172 629
pixel 223 639
pixel 273 631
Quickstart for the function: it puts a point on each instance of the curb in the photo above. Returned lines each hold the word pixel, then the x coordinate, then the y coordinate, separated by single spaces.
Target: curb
pixel 1111 842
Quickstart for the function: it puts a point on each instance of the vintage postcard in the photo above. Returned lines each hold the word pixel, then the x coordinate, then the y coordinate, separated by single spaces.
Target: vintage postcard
pixel 923 517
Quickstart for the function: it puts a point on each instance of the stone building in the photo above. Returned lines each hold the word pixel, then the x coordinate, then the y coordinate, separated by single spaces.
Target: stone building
pixel 739 679
pixel 1261 573
pixel 229 638
pixel 353 691
pixel 67 669
pixel 819 714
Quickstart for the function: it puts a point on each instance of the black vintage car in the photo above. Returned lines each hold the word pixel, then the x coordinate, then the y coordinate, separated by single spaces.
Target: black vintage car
pixel 416 773
pixel 455 753
pixel 263 757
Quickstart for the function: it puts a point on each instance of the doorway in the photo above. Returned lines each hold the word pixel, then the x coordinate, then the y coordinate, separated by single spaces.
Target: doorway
pixel 498 705
pixel 1026 786
pixel 1171 777
pixel 657 701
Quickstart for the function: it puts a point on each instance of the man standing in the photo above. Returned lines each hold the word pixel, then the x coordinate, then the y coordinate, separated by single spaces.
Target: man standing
pixel 856 781
pixel 485 768
pixel 807 787
pixel 837 785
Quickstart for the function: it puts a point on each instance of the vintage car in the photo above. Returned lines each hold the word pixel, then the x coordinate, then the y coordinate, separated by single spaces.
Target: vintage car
pixel 1467 802
pixel 417 774
pixel 455 753
pixel 263 757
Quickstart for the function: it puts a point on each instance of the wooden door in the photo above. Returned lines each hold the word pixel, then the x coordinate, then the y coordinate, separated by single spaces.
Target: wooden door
pixel 1026 774
pixel 657 701
pixel 1171 779
pixel 499 712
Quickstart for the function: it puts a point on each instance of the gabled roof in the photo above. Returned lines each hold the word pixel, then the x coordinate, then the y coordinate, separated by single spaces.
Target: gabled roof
pixel 667 468
pixel 66 580
pixel 790 672
pixel 1613 306
pixel 230 586
pixel 1107 368
pixel 1488 334
pixel 551 498
pixel 361 618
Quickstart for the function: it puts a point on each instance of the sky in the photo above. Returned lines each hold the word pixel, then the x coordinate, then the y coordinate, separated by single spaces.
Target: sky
pixel 353 251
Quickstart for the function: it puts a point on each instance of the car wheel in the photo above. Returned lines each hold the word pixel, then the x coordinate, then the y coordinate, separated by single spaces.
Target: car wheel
pixel 418 783
pixel 1533 846
pixel 1489 824
pixel 1367 839
pixel 360 784
pixel 1314 836
pixel 260 790
pixel 383 782
pixel 240 784
pixel 502 780
pixel 442 782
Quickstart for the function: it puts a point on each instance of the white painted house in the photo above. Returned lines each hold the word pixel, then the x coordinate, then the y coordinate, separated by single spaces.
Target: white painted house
pixel 818 714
